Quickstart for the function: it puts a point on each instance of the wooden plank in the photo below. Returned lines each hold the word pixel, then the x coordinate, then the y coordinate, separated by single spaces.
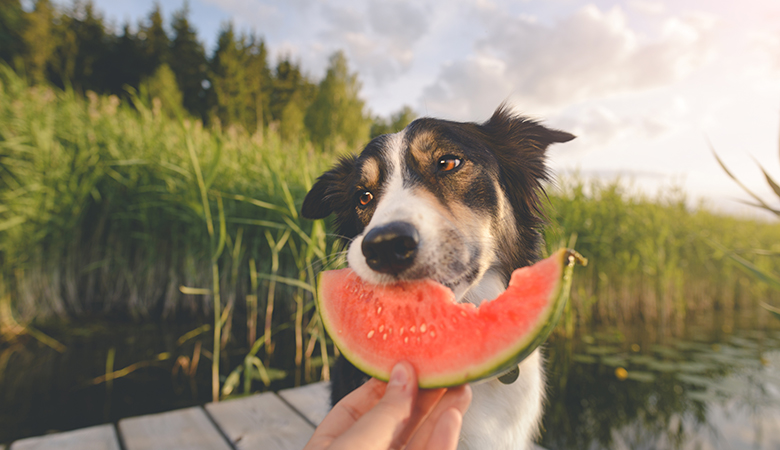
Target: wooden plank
pixel 101 437
pixel 312 400
pixel 261 421
pixel 182 429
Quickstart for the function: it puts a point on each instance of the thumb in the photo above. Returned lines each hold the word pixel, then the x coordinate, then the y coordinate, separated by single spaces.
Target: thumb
pixel 384 424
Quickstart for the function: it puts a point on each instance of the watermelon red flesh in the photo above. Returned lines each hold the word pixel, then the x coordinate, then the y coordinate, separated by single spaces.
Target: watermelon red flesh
pixel 448 343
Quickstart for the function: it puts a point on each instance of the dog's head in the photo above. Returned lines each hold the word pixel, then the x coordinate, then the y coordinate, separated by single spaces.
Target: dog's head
pixel 442 200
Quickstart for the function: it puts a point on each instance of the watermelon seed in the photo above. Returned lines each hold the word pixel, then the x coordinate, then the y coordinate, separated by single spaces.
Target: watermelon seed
pixel 406 340
pixel 384 337
pixel 370 334
pixel 422 328
pixel 433 334
pixel 381 328
pixel 463 313
pixel 411 329
pixel 401 331
pixel 379 311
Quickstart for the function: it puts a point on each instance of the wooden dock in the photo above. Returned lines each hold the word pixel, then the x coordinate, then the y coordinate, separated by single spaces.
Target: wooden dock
pixel 269 421
pixel 283 420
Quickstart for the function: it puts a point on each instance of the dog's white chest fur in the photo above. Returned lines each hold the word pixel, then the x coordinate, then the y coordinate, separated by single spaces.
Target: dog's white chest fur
pixel 505 416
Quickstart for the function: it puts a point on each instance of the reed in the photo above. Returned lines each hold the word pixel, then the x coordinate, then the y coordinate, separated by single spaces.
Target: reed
pixel 649 257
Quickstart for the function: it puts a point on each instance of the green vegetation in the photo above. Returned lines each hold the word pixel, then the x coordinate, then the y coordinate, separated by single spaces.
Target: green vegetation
pixel 767 277
pixel 649 260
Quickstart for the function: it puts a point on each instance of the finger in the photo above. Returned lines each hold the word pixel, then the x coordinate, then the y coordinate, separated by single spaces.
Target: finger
pixel 459 399
pixel 346 412
pixel 426 401
pixel 383 424
pixel 446 431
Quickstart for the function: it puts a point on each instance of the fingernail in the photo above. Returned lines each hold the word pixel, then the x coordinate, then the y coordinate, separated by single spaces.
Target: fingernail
pixel 399 377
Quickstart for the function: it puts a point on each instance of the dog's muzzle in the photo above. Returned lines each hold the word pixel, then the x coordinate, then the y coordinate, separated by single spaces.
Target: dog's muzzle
pixel 391 248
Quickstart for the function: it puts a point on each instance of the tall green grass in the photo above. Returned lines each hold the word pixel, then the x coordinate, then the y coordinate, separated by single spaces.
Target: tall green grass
pixel 649 260
pixel 114 208
pixel 110 208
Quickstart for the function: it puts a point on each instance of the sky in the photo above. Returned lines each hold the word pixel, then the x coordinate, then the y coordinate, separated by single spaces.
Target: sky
pixel 648 86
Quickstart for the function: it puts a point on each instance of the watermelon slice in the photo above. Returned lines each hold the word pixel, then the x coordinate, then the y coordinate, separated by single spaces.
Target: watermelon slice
pixel 448 343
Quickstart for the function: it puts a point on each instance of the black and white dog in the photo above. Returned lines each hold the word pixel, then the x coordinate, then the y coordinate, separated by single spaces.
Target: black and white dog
pixel 458 203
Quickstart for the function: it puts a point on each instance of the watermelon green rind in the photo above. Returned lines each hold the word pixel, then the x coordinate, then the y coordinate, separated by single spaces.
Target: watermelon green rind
pixel 531 338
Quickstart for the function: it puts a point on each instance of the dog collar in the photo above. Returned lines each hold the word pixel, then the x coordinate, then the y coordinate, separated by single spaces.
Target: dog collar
pixel 510 376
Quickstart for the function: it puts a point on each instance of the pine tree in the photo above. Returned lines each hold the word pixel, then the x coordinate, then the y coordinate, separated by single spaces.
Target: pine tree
pixel 38 40
pixel 241 79
pixel 258 79
pixel 336 117
pixel 84 49
pixel 155 43
pixel 290 85
pixel 188 61
pixel 124 62
pixel 11 26
pixel 290 97
pixel 228 78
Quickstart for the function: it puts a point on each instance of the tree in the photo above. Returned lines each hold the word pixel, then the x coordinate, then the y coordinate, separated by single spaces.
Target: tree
pixel 336 117
pixel 162 87
pixel 397 122
pixel 228 79
pixel 289 84
pixel 38 41
pixel 258 78
pixel 189 63
pixel 241 79
pixel 82 53
pixel 155 43
pixel 124 62
pixel 11 25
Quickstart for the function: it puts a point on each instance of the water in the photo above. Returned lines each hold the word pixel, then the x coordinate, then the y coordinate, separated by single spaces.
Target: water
pixel 715 385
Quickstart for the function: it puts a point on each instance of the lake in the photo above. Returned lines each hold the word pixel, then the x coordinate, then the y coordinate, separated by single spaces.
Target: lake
pixel 716 385
pixel 713 385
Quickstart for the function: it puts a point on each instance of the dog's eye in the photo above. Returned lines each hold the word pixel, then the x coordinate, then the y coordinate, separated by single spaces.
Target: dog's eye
pixel 449 162
pixel 365 198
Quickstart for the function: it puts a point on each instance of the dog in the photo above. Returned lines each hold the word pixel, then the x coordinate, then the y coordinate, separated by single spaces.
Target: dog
pixel 459 203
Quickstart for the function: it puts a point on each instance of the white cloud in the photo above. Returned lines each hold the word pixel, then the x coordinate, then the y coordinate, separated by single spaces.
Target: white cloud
pixel 378 37
pixel 589 55
pixel 647 7
pixel 400 21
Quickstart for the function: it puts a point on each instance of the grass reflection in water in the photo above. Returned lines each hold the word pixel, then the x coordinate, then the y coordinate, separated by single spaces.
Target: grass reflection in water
pixel 714 386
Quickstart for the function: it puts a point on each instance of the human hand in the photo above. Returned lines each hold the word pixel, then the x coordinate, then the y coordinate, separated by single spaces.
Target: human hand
pixel 394 415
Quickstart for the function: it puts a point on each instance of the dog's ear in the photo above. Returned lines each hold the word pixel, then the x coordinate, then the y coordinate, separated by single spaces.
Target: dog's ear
pixel 330 190
pixel 519 130
pixel 519 144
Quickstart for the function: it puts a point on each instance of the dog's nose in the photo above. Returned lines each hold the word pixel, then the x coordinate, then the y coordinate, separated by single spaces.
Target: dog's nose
pixel 391 248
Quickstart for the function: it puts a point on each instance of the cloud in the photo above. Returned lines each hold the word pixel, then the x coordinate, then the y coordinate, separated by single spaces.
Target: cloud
pixel 588 55
pixel 378 37
pixel 647 7
pixel 400 21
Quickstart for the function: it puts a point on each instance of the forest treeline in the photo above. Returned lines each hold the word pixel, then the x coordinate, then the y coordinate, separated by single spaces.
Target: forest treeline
pixel 236 85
